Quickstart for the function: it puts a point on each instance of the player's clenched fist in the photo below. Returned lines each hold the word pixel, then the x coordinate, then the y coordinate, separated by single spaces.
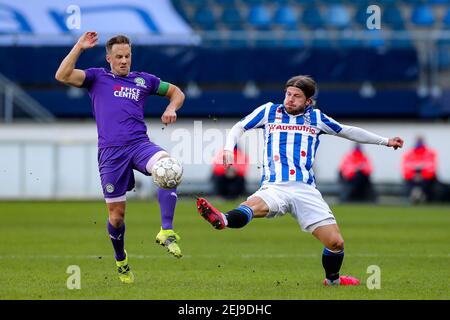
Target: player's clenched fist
pixel 169 116
pixel 395 142
pixel 228 158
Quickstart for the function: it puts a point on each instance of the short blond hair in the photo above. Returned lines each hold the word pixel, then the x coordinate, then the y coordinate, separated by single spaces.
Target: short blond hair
pixel 119 39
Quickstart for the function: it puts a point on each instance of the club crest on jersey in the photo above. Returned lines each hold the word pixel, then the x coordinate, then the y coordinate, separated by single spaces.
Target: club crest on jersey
pixel 140 82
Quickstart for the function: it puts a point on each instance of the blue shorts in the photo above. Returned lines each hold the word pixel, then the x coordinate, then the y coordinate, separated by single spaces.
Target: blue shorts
pixel 116 165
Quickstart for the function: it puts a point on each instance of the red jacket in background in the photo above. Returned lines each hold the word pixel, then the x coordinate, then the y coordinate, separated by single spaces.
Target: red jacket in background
pixel 240 164
pixel 354 162
pixel 421 159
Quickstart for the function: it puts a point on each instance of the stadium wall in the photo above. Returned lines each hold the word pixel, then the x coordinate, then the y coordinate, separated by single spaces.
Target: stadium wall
pixel 59 161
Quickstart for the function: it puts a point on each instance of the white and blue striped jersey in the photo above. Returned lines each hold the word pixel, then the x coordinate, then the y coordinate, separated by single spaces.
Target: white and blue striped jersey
pixel 291 141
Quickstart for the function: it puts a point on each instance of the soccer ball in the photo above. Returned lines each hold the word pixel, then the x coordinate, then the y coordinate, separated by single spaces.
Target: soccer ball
pixel 167 173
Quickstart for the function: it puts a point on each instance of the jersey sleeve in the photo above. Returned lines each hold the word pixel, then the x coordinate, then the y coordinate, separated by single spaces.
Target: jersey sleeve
pixel 152 82
pixel 326 123
pixel 362 136
pixel 91 75
pixel 233 136
pixel 257 118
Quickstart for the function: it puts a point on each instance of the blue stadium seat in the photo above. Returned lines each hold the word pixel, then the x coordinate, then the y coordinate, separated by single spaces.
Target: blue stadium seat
pixel 232 19
pixel 361 15
pixel 259 17
pixel 312 17
pixel 204 18
pixel 422 15
pixel 392 16
pixel 285 16
pixel 337 16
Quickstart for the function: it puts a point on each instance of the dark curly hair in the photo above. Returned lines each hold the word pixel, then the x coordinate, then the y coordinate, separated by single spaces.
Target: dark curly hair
pixel 304 83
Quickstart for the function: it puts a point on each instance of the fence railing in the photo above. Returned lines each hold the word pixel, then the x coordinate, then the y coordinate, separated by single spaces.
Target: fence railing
pixel 13 97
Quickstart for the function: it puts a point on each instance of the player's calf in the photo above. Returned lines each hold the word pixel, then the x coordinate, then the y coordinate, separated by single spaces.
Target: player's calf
pixel 332 262
pixel 239 217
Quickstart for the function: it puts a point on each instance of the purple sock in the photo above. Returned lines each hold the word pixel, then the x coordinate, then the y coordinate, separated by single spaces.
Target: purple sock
pixel 167 199
pixel 117 238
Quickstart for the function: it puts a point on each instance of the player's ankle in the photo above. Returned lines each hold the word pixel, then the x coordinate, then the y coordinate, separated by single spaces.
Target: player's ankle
pixel 239 217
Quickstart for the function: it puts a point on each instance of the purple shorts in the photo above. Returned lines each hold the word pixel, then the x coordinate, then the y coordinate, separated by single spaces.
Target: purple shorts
pixel 116 165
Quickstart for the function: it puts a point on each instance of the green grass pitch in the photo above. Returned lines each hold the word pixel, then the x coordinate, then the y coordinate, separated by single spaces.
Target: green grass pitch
pixel 270 259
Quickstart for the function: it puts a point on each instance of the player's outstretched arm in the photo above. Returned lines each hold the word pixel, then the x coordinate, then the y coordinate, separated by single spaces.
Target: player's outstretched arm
pixel 176 98
pixel 233 137
pixel 363 136
pixel 66 72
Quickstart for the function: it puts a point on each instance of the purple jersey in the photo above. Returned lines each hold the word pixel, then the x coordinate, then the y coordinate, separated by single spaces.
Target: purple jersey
pixel 118 104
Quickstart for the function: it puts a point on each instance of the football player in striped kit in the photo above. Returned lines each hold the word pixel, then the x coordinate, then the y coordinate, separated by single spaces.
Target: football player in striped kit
pixel 291 137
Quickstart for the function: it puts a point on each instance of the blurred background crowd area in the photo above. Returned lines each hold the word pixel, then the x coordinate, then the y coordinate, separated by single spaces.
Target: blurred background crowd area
pixel 382 69
pixel 284 16
pixel 240 52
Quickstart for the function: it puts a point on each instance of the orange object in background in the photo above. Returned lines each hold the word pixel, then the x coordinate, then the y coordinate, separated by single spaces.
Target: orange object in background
pixel 419 160
pixel 353 162
pixel 240 165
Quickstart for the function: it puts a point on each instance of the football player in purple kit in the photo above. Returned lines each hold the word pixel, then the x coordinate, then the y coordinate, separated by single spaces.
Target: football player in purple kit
pixel 118 100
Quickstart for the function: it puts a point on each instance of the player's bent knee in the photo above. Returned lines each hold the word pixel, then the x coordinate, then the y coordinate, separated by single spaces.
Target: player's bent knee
pixel 157 156
pixel 116 214
pixel 336 244
pixel 116 221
